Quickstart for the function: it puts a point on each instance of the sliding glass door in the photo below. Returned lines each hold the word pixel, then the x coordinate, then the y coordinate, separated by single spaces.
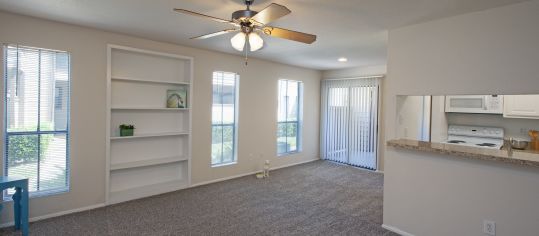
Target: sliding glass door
pixel 350 121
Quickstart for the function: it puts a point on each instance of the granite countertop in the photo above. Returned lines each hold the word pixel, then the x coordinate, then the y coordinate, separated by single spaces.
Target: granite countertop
pixel 519 157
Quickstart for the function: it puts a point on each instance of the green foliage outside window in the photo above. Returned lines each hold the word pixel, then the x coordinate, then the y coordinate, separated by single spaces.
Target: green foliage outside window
pixel 23 149
pixel 223 143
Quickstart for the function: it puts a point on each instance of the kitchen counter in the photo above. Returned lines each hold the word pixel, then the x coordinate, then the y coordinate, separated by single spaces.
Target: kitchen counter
pixel 519 157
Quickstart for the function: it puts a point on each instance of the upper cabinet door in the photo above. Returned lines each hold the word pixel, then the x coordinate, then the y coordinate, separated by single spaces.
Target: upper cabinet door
pixel 521 106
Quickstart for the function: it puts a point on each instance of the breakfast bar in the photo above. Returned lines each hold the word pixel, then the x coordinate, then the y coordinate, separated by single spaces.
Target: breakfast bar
pixel 518 157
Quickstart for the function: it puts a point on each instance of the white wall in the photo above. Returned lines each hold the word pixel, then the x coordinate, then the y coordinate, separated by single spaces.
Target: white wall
pixel 489 52
pixel 88 47
pixel 413 116
pixel 438 128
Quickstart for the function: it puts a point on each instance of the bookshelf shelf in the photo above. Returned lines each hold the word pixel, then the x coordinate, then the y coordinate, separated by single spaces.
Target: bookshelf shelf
pixel 156 159
pixel 149 109
pixel 139 136
pixel 137 80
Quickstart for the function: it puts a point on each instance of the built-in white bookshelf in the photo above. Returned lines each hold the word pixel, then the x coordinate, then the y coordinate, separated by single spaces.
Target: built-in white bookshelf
pixel 157 158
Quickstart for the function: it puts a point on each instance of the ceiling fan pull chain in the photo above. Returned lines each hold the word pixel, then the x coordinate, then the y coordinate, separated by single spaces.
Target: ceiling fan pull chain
pixel 246 58
pixel 245 49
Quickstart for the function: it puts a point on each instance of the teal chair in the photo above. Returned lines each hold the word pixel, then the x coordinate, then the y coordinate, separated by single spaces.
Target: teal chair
pixel 20 200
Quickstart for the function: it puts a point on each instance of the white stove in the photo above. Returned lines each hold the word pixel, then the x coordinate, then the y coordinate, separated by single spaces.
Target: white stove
pixel 475 136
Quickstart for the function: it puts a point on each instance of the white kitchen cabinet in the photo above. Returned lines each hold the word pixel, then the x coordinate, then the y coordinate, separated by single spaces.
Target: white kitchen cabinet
pixel 521 106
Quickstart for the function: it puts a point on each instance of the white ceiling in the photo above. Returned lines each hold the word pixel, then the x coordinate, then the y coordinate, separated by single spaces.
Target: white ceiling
pixel 356 29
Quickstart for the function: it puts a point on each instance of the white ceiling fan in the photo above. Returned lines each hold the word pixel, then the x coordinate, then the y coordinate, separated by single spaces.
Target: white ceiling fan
pixel 249 23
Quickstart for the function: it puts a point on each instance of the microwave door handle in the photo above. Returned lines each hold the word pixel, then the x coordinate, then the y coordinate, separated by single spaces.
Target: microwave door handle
pixel 485 101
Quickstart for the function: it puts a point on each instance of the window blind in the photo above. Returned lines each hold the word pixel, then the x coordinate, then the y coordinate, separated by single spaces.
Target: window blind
pixel 224 118
pixel 349 131
pixel 289 116
pixel 36 128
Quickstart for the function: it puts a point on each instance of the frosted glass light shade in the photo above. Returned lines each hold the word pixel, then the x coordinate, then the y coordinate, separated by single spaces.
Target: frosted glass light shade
pixel 255 41
pixel 238 41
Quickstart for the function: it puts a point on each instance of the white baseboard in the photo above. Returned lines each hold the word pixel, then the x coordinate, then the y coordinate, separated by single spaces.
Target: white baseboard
pixel 294 164
pixel 37 218
pixel 61 213
pixel 396 230
pixel 249 173
pixel 222 179
pixel 357 167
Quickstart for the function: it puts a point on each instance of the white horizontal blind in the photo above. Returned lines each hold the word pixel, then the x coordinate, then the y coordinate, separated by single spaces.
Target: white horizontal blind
pixel 224 118
pixel 349 121
pixel 289 112
pixel 37 117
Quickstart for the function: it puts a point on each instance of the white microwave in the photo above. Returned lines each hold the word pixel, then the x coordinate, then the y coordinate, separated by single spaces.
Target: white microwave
pixel 489 104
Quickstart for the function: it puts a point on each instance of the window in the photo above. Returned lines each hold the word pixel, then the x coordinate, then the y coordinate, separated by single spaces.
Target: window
pixel 36 118
pixel 289 116
pixel 224 118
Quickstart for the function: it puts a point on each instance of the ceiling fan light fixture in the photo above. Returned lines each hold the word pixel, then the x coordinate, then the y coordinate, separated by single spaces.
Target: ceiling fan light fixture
pixel 238 41
pixel 255 41
pixel 248 21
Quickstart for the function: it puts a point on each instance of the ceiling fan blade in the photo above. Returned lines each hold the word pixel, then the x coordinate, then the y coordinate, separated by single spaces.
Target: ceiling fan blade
pixel 204 16
pixel 289 34
pixel 215 34
pixel 270 13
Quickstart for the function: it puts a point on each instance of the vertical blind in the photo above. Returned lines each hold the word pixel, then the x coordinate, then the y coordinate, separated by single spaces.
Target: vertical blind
pixel 289 116
pixel 224 118
pixel 350 121
pixel 36 117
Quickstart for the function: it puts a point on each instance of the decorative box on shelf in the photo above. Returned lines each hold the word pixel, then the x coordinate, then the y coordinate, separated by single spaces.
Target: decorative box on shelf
pixel 127 130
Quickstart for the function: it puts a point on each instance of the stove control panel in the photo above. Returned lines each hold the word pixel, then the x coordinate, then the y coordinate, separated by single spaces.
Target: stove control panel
pixel 476 131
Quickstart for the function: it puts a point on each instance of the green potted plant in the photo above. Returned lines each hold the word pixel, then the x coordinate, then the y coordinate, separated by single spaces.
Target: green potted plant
pixel 126 130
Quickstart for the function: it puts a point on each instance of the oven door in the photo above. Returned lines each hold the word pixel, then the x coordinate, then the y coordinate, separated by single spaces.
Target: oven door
pixel 490 104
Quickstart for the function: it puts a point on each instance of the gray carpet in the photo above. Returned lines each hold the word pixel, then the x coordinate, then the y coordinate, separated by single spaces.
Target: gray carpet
pixel 318 198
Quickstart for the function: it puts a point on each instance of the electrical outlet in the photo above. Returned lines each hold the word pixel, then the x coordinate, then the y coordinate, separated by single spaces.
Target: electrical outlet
pixel 489 227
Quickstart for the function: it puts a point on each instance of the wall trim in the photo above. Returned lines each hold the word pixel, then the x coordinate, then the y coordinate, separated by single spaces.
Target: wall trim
pixel 377 76
pixel 396 230
pixel 249 173
pixel 56 214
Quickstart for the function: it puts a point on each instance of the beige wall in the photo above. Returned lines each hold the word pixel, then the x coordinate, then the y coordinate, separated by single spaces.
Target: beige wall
pixel 257 107
pixel 354 72
pixel 489 52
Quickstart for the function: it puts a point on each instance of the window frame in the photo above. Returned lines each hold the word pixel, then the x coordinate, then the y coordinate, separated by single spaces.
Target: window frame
pixel 6 135
pixel 234 125
pixel 298 122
